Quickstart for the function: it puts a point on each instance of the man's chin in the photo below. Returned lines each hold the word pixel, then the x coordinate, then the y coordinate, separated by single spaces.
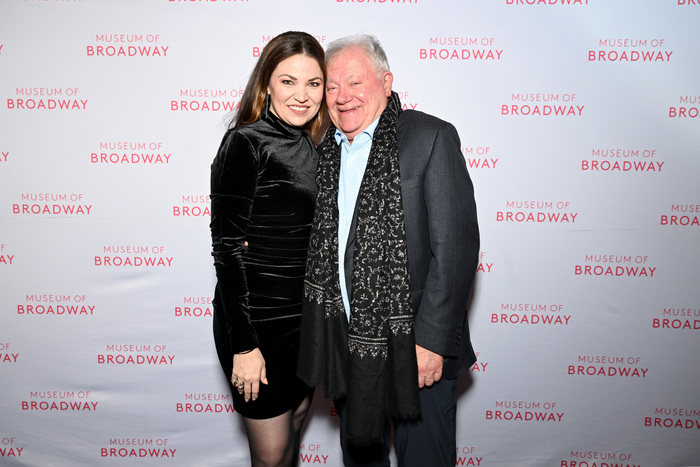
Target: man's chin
pixel 348 128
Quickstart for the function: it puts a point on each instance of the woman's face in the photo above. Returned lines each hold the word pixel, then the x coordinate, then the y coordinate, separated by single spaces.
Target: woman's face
pixel 296 89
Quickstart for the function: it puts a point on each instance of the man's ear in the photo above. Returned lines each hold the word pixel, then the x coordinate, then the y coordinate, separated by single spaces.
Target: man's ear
pixel 387 82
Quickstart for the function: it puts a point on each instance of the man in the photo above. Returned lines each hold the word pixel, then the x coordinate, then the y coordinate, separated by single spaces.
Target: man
pixel 384 329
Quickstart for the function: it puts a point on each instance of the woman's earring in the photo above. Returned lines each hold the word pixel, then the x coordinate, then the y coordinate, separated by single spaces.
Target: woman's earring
pixel 266 104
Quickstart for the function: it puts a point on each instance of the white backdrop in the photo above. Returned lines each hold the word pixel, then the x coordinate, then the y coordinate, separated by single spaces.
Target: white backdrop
pixel 579 121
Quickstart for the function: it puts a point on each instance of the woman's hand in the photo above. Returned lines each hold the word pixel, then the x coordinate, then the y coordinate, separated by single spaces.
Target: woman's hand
pixel 248 373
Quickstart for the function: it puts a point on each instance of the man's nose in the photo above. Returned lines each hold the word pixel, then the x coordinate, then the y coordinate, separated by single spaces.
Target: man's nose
pixel 342 96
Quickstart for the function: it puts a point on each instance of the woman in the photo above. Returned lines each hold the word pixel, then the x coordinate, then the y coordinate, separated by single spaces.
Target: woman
pixel 263 194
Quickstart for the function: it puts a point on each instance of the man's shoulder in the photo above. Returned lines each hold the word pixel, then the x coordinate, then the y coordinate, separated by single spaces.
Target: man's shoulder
pixel 410 119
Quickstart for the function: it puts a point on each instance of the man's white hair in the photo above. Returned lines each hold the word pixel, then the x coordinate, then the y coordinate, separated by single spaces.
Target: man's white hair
pixel 368 43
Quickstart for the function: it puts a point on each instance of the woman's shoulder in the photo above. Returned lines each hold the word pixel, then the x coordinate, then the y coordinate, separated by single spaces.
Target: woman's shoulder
pixel 251 134
pixel 237 142
pixel 249 130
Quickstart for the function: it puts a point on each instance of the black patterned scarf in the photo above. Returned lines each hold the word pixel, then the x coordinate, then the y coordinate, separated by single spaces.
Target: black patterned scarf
pixel 372 360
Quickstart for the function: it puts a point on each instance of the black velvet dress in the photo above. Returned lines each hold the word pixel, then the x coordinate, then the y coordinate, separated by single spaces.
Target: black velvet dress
pixel 263 191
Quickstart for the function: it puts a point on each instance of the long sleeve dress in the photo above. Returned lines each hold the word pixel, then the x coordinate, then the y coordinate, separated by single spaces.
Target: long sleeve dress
pixel 263 191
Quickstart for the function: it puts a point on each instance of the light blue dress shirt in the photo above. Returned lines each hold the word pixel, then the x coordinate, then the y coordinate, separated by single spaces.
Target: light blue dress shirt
pixel 353 161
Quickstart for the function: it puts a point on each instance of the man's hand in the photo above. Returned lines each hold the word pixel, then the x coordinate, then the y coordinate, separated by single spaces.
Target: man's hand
pixel 429 366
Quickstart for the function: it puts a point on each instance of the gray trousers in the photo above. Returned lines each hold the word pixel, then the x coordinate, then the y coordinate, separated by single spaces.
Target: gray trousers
pixel 429 441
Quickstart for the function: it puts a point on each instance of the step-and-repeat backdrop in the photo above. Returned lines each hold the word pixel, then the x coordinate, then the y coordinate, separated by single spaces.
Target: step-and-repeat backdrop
pixel 580 125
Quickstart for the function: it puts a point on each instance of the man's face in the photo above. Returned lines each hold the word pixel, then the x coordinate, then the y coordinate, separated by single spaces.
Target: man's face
pixel 356 93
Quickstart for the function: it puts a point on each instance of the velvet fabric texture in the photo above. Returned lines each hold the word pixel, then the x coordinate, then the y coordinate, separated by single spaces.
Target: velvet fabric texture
pixel 263 192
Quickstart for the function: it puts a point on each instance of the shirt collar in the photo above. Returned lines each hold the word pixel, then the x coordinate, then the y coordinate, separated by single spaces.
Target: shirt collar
pixel 369 131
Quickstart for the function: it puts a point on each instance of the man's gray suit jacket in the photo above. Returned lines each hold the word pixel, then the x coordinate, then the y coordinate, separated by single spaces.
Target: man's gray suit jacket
pixel 442 235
